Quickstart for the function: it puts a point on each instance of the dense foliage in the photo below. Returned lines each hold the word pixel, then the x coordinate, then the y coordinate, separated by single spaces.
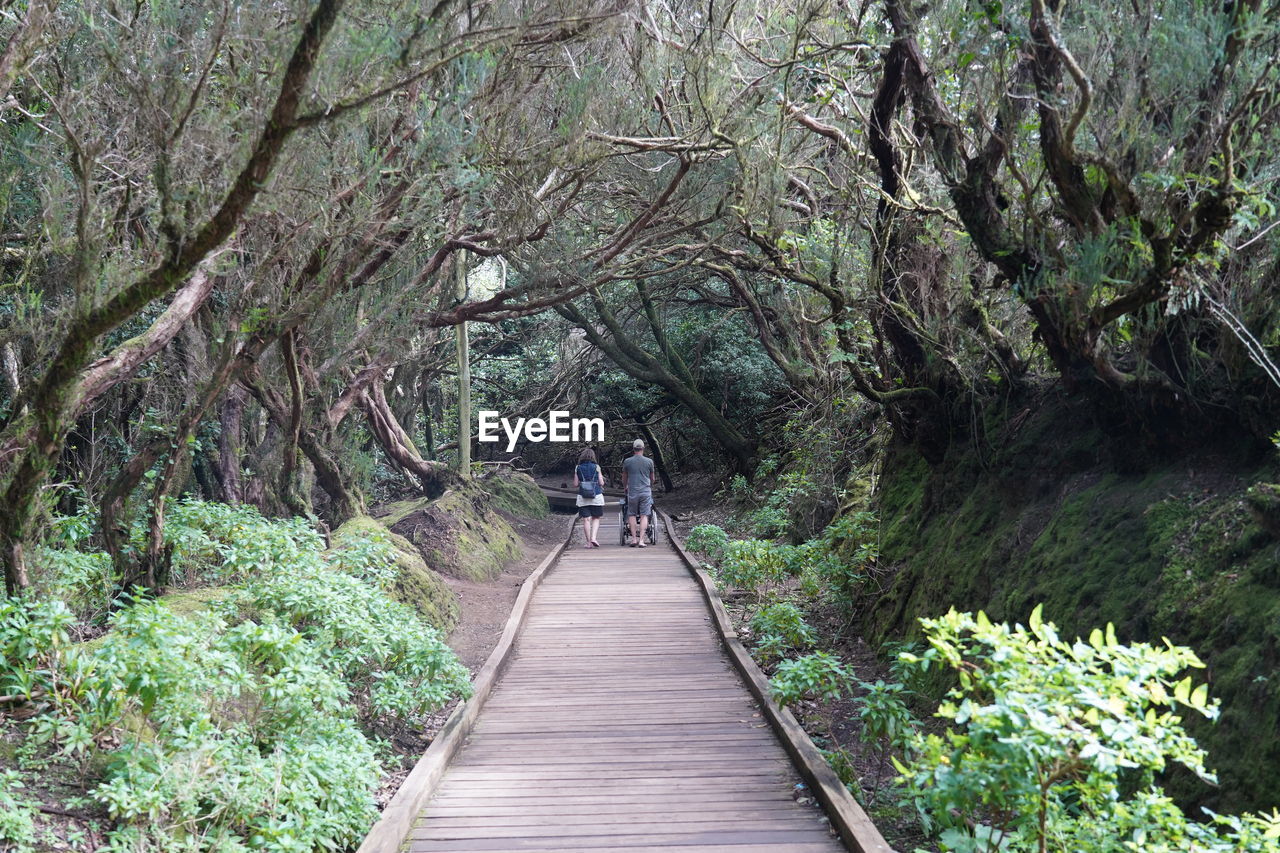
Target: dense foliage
pixel 1056 745
pixel 1050 744
pixel 251 722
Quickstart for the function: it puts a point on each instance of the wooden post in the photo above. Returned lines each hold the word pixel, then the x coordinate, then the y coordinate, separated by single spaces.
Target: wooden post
pixel 464 378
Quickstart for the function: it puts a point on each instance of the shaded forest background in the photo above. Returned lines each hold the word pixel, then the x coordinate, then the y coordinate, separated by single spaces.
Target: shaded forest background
pixel 1004 274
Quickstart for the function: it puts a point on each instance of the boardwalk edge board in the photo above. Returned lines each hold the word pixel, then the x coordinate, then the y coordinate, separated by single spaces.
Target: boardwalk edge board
pixel 856 829
pixel 388 835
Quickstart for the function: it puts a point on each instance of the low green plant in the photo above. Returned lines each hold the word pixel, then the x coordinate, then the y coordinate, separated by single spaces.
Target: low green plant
pixel 785 621
pixel 401 673
pixel 754 565
pixel 885 716
pixel 84 580
pixel 843 555
pixel 819 675
pixel 887 723
pixel 709 540
pixel 1056 745
pixel 220 543
pixel 369 556
pixel 17 815
pixel 841 761
pixel 246 724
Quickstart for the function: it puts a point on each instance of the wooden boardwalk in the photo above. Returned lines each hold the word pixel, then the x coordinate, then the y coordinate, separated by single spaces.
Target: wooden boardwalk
pixel 619 724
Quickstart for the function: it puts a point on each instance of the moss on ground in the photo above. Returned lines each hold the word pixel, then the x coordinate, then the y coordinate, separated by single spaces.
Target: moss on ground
pixel 188 601
pixel 516 493
pixel 459 534
pixel 1166 549
pixel 416 584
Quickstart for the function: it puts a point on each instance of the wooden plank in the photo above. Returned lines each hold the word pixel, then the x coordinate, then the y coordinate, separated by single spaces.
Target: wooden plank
pixel 482 788
pixel 795 847
pixel 692 838
pixel 612 812
pixel 537 823
pixel 568 802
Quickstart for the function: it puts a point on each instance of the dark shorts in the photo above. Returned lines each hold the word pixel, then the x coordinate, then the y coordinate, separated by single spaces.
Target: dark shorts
pixel 590 511
pixel 640 505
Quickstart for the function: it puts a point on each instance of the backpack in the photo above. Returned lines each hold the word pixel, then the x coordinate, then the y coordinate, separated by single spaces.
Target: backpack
pixel 588 488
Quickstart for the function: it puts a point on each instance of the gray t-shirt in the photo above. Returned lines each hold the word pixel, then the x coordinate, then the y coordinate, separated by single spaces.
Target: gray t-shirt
pixel 639 475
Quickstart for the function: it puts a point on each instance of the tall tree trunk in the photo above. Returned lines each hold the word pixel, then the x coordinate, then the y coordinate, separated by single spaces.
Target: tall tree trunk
pixel 464 379
pixel 290 491
pixel 643 365
pixel 230 449
pixel 659 458
pixel 344 503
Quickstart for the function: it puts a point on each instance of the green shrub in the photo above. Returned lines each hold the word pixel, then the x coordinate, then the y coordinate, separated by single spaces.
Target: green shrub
pixel 396 664
pixel 816 676
pixel 885 716
pixel 219 543
pixel 17 816
pixel 236 727
pixel 785 622
pixel 84 580
pixel 843 555
pixel 753 565
pixel 369 556
pixel 1056 745
pixel 708 540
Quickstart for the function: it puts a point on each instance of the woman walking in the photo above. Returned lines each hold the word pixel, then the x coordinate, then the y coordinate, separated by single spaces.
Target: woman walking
pixel 589 482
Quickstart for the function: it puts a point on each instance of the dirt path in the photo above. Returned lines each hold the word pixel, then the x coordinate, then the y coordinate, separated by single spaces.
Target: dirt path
pixel 485 606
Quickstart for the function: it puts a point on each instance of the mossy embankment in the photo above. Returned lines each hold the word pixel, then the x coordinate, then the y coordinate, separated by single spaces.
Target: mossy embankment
pixel 1054 510
pixel 463 533
pixel 415 584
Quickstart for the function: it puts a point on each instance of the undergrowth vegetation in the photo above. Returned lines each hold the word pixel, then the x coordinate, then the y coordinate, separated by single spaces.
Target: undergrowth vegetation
pixel 255 721
pixel 1038 743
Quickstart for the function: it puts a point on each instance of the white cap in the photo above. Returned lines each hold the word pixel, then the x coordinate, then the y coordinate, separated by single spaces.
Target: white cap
pixel 638 444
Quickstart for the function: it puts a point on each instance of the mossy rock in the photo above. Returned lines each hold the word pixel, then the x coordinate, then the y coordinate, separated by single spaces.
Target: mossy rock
pixel 1263 500
pixel 459 533
pixel 516 493
pixel 416 584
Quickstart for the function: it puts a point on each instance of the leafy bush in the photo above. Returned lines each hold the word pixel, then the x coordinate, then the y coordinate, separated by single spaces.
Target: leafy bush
pixel 1056 744
pixel 819 675
pixel 785 621
pixel 369 556
pixel 885 716
pixel 843 555
pixel 17 816
pixel 401 673
pixel 236 727
pixel 753 565
pixel 219 543
pixel 708 540
pixel 83 580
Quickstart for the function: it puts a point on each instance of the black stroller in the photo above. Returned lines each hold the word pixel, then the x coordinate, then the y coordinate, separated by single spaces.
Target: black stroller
pixel 651 538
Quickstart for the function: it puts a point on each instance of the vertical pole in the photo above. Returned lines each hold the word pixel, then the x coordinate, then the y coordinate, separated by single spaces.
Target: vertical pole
pixel 464 378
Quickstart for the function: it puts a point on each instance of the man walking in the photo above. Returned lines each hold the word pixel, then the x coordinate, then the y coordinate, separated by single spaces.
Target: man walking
pixel 637 479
